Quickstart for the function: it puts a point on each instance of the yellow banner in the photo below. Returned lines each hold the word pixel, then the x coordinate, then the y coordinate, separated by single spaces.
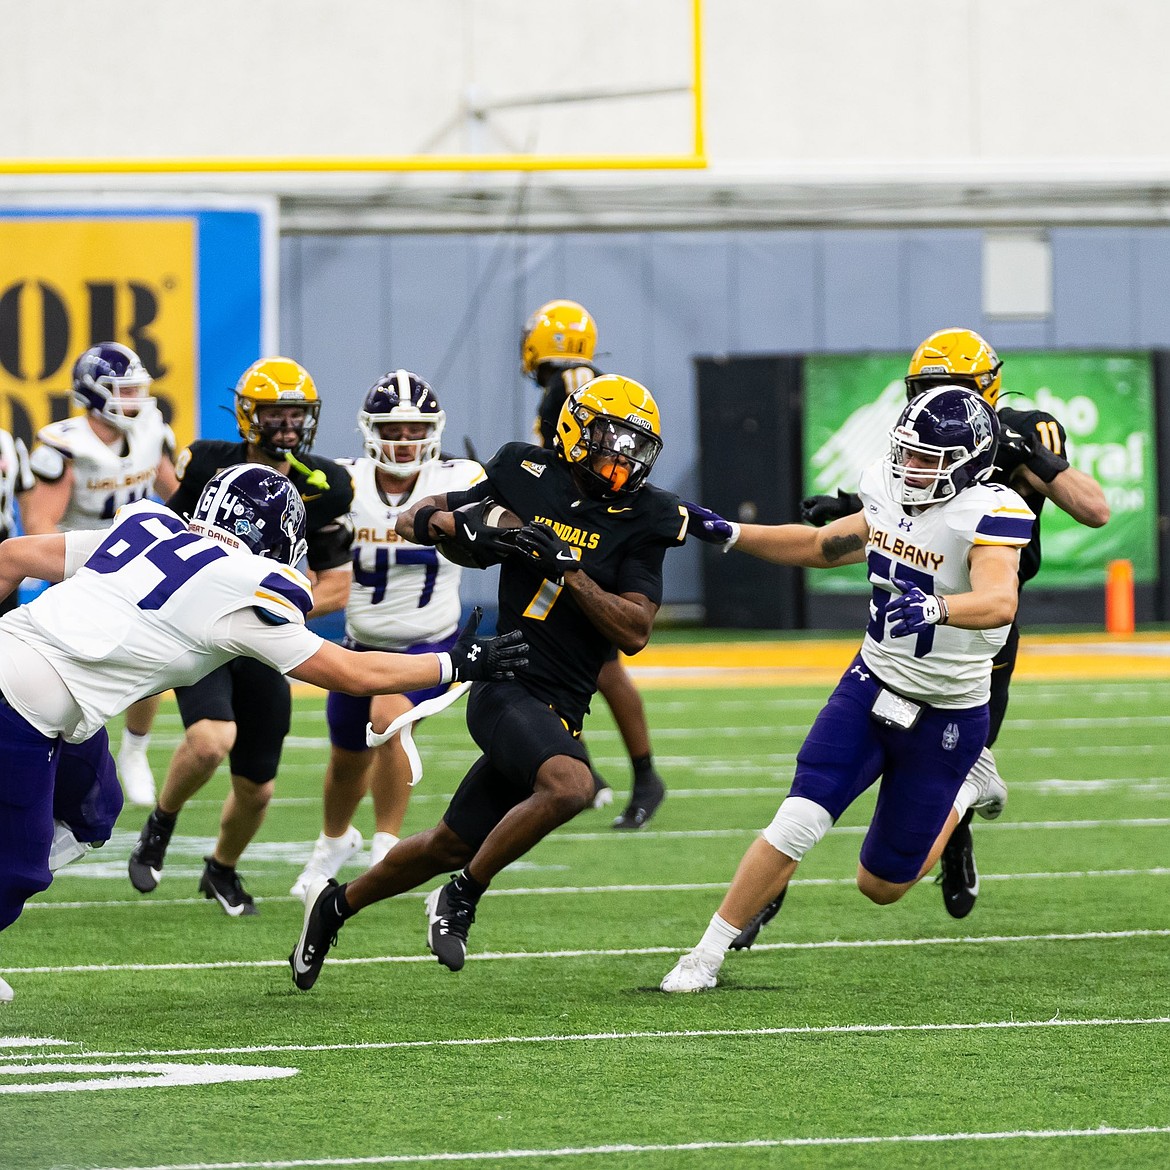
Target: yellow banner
pixel 67 284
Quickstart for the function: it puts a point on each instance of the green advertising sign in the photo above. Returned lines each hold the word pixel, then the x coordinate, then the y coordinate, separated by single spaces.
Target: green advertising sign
pixel 1104 401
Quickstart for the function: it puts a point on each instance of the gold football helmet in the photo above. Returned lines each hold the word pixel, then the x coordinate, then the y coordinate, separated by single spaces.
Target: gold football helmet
pixel 611 432
pixel 276 381
pixel 558 331
pixel 955 357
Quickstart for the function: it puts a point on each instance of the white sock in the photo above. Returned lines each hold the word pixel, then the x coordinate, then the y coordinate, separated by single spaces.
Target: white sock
pixel 983 771
pixel 968 794
pixel 718 936
pixel 334 844
pixel 134 743
pixel 381 845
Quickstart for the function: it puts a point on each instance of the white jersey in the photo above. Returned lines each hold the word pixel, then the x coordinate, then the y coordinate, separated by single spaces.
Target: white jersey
pixel 944 666
pixel 153 607
pixel 15 477
pixel 402 593
pixel 103 479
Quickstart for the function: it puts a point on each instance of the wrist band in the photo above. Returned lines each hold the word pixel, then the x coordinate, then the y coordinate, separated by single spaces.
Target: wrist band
pixel 729 543
pixel 946 610
pixel 446 668
pixel 1046 465
pixel 422 521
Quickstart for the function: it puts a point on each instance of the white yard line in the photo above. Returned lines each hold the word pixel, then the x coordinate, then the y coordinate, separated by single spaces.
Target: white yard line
pixel 625 1149
pixel 608 953
pixel 595 1037
pixel 624 888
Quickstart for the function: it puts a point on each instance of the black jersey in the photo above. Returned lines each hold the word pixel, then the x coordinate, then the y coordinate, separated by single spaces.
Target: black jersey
pixel 622 541
pixel 328 532
pixel 1048 431
pixel 558 380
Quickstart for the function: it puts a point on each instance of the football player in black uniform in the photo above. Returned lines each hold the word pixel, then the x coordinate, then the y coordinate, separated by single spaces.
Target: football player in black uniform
pixel 1031 459
pixel 243 709
pixel 556 351
pixel 582 575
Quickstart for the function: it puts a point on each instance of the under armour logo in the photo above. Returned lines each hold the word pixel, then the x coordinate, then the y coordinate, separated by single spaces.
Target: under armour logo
pixel 861 674
pixel 473 653
pixel 905 525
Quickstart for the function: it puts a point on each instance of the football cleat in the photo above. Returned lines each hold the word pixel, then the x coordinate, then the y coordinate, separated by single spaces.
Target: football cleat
pixel 329 855
pixel 993 793
pixel 316 939
pixel 958 876
pixel 449 917
pixel 697 970
pixel 743 941
pixel 136 776
pixel 146 858
pixel 222 883
pixel 649 792
pixel 6 993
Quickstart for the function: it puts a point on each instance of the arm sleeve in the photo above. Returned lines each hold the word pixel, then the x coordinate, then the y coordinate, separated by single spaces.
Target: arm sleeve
pixel 80 546
pixel 282 647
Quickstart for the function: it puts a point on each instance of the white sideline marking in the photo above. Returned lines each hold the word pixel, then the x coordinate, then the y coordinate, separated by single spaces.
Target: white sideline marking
pixel 629 1148
pixel 627 888
pixel 603 952
pixel 590 1037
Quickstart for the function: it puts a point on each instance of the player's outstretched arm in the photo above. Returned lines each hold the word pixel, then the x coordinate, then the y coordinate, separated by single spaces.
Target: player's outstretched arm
pixel 840 543
pixel 42 557
pixel 1074 492
pixel 372 672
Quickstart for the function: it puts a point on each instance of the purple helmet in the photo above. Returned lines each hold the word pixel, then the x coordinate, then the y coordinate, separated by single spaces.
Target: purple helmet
pixel 253 508
pixel 944 441
pixel 101 378
pixel 401 397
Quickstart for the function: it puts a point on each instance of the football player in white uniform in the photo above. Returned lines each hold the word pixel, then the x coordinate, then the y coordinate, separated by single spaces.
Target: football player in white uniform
pixel 156 603
pixel 942 547
pixel 89 466
pixel 403 597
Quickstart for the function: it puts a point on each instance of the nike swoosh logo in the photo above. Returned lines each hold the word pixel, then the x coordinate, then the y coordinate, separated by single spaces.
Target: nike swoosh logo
pixel 299 966
pixel 468 533
pixel 315 496
pixel 615 511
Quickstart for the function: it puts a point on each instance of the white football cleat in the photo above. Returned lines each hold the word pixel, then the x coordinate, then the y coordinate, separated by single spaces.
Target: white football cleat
pixel 993 791
pixel 6 992
pixel 697 970
pixel 136 776
pixel 65 847
pixel 329 855
pixel 381 844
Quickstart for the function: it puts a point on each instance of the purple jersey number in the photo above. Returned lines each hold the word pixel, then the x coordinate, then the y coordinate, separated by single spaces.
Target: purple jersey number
pixel 883 568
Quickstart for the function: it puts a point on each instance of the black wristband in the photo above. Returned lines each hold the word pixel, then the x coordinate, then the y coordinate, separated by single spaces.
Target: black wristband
pixel 1046 465
pixel 422 523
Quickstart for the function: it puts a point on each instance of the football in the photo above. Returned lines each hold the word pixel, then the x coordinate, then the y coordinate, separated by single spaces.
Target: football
pixel 465 549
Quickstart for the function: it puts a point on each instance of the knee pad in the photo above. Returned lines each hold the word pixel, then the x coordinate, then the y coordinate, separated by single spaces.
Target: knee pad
pixel 798 825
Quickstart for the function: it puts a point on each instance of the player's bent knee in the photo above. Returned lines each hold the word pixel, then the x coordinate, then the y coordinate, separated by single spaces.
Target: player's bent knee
pixel 798 825
pixel 567 782
pixel 879 891
pixel 447 847
pixel 210 740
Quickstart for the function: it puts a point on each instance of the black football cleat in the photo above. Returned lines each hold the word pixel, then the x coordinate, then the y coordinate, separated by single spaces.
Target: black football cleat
pixel 649 792
pixel 316 939
pixel 743 941
pixel 449 918
pixel 958 876
pixel 222 883
pixel 146 858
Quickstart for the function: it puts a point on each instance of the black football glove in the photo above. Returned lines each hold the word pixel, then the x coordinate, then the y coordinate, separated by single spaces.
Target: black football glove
pixel 821 510
pixel 1013 451
pixel 710 527
pixel 475 659
pixel 553 556
pixel 479 540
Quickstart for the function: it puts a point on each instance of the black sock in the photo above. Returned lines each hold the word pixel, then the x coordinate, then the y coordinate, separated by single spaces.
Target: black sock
pixel 642 765
pixel 166 819
pixel 218 866
pixel 467 887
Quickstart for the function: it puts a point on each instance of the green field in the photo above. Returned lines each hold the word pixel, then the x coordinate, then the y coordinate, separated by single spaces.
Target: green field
pixel 1034 1033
